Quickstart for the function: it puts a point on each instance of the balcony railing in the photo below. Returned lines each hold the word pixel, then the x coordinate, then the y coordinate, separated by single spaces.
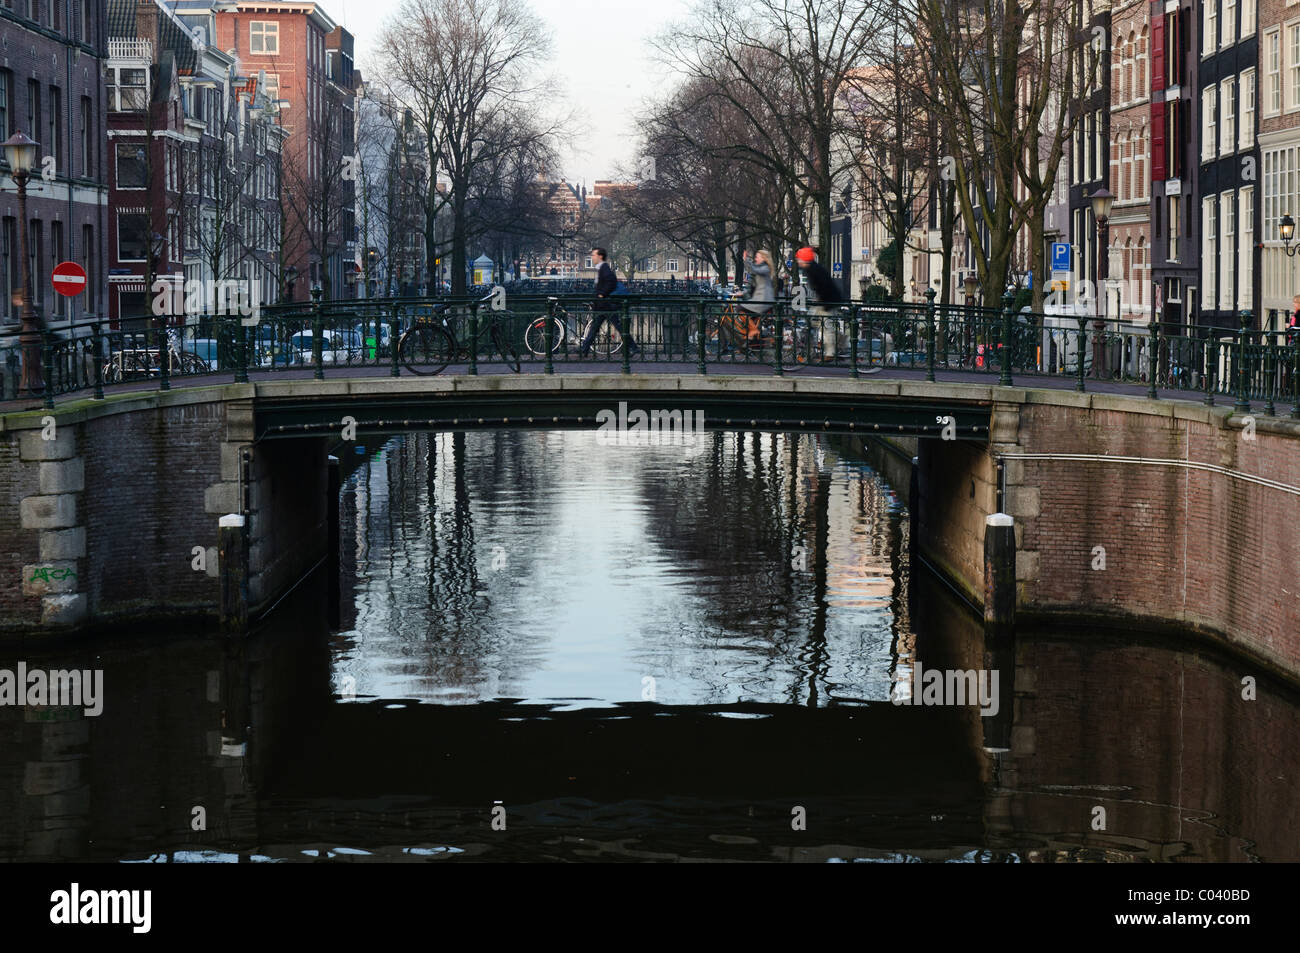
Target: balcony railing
pixel 130 50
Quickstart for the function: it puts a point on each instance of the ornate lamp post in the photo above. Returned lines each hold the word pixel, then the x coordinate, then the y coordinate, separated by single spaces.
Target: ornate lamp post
pixel 1287 229
pixel 1102 201
pixel 20 153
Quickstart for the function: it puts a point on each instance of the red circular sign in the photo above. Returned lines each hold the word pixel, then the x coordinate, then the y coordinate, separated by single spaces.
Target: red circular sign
pixel 68 278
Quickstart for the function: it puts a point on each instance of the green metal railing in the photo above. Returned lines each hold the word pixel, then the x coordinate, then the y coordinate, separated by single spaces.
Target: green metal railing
pixel 937 342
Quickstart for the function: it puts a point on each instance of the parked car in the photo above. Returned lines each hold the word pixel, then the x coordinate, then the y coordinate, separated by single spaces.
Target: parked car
pixel 337 347
pixel 204 351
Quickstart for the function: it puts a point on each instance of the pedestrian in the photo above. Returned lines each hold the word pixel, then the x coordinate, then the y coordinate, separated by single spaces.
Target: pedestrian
pixel 604 308
pixel 758 274
pixel 824 292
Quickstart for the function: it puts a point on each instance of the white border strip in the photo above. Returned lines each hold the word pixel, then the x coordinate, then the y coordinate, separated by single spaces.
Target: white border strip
pixel 1156 462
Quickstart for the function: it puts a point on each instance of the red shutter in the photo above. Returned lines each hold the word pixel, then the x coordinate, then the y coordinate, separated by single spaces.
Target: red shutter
pixel 1157 57
pixel 1157 142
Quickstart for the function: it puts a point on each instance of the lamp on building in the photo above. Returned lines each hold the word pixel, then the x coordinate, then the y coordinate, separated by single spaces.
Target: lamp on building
pixel 20 153
pixel 1287 228
pixel 971 285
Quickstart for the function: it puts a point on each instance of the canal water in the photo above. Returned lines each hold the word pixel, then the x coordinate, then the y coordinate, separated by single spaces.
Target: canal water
pixel 547 647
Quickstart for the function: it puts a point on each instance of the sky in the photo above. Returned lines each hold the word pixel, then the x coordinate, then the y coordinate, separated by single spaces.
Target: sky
pixel 601 54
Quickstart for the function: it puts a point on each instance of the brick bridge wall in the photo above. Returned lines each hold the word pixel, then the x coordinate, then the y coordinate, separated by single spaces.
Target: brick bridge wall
pixel 98 525
pixel 1188 547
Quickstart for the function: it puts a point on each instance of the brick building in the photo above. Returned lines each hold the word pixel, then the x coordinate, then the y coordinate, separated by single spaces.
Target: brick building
pixel 51 60
pixel 290 43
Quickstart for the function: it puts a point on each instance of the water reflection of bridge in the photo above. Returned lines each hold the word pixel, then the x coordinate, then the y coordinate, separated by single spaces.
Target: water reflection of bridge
pixel 287 765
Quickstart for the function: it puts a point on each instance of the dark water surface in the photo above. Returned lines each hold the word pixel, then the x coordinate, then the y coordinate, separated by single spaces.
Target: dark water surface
pixel 642 652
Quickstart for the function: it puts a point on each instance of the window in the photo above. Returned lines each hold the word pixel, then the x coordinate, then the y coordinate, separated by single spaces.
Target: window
pixel 671 265
pixel 1229 22
pixel 132 166
pixel 1099 144
pixel 35 254
pixel 8 268
pixel 33 106
pixel 1209 117
pixel 264 37
pixel 1173 51
pixel 1227 116
pixel 62 305
pixel 1246 247
pixel 86 137
pixel 272 86
pixel 1209 244
pixel 1175 202
pixel 132 237
pixel 1209 26
pixel 1273 59
pixel 4 103
pixel 1227 250
pixel 1246 132
pixel 55 129
pixel 89 301
pixel 1247 18
pixel 1173 139
pixel 1293 47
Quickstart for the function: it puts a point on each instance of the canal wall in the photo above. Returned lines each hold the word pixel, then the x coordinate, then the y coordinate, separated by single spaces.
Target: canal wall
pixel 1130 512
pixel 109 510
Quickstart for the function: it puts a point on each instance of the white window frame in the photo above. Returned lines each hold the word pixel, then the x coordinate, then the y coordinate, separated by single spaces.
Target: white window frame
pixel 1246 124
pixel 1209 27
pixel 1227 249
pixel 1173 209
pixel 1247 18
pixel 1227 116
pixel 267 32
pixel 1245 247
pixel 1209 123
pixel 1209 249
pixel 1293 66
pixel 1229 32
pixel 1273 68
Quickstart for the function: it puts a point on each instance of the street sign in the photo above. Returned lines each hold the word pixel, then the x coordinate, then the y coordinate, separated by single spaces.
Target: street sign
pixel 1061 256
pixel 68 278
pixel 837 269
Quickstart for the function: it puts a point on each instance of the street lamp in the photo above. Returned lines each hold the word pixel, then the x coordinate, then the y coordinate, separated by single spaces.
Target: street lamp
pixel 970 285
pixel 1287 228
pixel 20 153
pixel 1102 202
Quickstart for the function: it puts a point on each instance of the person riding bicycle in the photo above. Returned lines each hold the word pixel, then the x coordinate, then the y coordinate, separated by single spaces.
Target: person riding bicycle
pixel 758 271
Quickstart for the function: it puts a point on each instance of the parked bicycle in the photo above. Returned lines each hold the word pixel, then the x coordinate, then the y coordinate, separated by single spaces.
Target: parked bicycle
pixel 745 337
pixel 430 343
pixel 140 363
pixel 566 332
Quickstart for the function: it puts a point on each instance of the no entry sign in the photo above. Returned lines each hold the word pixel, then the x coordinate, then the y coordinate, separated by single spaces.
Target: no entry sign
pixel 68 278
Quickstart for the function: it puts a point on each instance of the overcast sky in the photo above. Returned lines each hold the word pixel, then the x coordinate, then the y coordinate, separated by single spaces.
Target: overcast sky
pixel 600 53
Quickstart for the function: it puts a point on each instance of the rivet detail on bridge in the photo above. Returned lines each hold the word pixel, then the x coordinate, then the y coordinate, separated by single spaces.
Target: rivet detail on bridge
pixel 505 420
pixel 555 420
pixel 480 420
pixel 530 420
pixel 753 423
pixel 455 420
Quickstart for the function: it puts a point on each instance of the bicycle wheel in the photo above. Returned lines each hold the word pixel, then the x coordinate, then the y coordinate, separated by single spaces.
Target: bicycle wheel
pixel 507 350
pixel 535 335
pixel 608 341
pixel 426 349
pixel 191 363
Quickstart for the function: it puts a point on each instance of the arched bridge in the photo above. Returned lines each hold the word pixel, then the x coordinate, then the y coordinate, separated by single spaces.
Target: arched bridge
pixel 110 507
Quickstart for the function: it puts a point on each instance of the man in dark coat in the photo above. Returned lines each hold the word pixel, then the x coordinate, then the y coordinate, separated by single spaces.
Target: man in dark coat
pixel 606 282
pixel 824 292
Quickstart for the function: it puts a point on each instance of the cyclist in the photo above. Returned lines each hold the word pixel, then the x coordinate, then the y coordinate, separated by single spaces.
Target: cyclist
pixel 759 272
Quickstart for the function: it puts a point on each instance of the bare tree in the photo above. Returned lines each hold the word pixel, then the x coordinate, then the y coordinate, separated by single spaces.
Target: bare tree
pixel 469 71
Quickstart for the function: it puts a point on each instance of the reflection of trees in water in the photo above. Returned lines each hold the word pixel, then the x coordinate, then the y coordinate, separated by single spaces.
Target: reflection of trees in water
pixel 757 528
pixel 433 511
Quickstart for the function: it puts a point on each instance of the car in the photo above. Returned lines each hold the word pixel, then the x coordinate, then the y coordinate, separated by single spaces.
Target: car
pixel 204 351
pixel 337 347
pixel 907 358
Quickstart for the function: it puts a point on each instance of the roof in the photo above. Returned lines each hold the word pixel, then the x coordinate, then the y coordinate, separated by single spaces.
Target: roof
pixel 172 35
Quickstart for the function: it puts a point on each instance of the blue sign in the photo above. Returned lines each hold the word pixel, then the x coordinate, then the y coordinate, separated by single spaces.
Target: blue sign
pixel 1060 256
pixel 836 269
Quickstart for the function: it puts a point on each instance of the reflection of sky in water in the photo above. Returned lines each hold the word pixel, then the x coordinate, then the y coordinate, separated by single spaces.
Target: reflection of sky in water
pixel 545 567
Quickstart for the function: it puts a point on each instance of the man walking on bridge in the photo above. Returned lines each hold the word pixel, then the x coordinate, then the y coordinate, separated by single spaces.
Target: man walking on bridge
pixel 606 282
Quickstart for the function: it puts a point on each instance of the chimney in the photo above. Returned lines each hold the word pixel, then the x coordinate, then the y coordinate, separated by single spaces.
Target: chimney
pixel 146 24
